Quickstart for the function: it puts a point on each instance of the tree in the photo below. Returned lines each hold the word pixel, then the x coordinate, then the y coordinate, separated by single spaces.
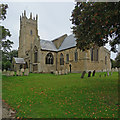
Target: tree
pixel 95 22
pixel 117 60
pixel 7 59
pixel 5 44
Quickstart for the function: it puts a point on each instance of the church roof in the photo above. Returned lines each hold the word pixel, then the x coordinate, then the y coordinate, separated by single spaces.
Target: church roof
pixel 68 42
pixel 19 60
pixel 47 45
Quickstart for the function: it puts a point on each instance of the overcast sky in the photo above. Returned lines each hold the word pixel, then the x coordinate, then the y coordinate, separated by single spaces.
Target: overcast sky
pixel 53 19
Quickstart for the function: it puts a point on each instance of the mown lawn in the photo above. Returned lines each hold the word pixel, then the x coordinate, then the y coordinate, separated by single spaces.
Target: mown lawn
pixel 65 96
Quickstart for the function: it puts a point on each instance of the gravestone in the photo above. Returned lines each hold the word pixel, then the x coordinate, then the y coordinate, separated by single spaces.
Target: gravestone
pixel 18 73
pixel 4 72
pixel 93 73
pixel 26 73
pixel 60 72
pixel 21 73
pixel 12 73
pixel 8 73
pixel 63 72
pixel 66 71
pixel 22 70
pixel 116 69
pixel 89 74
pixel 56 72
pixel 113 69
pixel 83 74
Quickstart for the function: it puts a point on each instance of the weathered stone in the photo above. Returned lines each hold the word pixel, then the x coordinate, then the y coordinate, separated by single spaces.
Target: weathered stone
pixel 113 69
pixel 26 73
pixel 8 73
pixel 4 72
pixel 12 73
pixel 60 72
pixel 83 74
pixel 56 72
pixel 21 73
pixel 89 74
pixel 66 71
pixel 116 69
pixel 18 73
pixel 22 70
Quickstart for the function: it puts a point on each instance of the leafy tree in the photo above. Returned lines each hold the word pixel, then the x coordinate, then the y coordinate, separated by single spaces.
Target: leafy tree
pixel 94 22
pixel 13 53
pixel 117 60
pixel 5 44
pixel 113 63
pixel 8 57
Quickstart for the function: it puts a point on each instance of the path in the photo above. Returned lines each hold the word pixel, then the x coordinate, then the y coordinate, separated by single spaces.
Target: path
pixel 5 112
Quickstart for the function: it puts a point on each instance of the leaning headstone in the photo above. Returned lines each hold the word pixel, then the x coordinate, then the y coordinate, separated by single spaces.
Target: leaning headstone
pixel 89 74
pixel 21 73
pixel 113 69
pixel 4 72
pixel 8 73
pixel 107 73
pixel 18 73
pixel 26 73
pixel 56 72
pixel 11 73
pixel 22 70
pixel 66 71
pixel 59 72
pixel 104 75
pixel 83 74
pixel 63 72
pixel 93 73
pixel 116 69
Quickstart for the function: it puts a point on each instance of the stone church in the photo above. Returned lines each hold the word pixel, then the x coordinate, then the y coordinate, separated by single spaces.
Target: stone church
pixel 48 56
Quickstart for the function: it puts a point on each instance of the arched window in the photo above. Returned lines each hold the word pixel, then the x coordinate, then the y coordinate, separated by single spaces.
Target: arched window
pixel 76 55
pixel 67 58
pixel 35 54
pixel 61 59
pixel 49 58
pixel 105 60
pixel 94 54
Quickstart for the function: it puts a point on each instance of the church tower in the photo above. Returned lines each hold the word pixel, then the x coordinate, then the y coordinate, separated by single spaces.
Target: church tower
pixel 28 33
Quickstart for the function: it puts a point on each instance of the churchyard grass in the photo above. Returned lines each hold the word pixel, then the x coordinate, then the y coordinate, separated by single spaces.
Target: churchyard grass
pixel 62 96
